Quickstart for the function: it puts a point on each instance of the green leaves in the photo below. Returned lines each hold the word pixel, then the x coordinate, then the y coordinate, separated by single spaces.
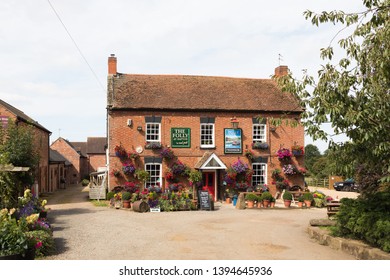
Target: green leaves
pixel 353 94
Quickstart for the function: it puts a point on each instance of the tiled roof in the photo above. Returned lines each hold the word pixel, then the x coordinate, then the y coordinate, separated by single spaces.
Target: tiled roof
pixel 96 145
pixel 180 92
pixel 80 147
pixel 22 116
pixel 55 156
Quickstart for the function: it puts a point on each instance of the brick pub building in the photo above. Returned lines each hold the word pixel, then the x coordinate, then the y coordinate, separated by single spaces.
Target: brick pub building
pixel 208 122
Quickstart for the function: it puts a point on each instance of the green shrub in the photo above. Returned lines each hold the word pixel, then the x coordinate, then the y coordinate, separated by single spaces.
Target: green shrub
pixel 308 196
pixel 47 242
pixel 251 197
pixel 266 196
pixel 85 182
pixel 287 196
pixel 12 238
pixel 126 196
pixel 110 195
pixel 367 219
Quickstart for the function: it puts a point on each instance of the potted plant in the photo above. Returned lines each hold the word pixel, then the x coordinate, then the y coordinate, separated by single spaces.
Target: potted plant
pixel 118 200
pixel 266 198
pixel 250 198
pixel 126 199
pixel 287 197
pixel 259 201
pixel 300 201
pixel 307 198
pixel 272 202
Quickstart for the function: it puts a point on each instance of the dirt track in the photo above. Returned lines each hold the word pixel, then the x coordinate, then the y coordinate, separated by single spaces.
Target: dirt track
pixel 85 232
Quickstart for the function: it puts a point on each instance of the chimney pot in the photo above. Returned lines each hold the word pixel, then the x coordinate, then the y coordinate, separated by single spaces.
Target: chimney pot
pixel 112 66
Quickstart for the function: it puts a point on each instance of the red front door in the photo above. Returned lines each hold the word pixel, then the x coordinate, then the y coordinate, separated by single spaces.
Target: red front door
pixel 209 183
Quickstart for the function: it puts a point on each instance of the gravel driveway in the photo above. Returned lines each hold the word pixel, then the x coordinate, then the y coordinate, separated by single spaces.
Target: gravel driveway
pixel 85 232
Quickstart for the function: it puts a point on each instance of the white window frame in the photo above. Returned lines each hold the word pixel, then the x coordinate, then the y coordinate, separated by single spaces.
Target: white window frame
pixel 149 134
pixel 259 175
pixel 257 137
pixel 212 145
pixel 152 176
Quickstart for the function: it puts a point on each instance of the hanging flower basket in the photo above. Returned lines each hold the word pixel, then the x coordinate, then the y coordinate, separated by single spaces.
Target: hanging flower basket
pixel 297 150
pixel 120 152
pixel 284 154
pixel 289 169
pixel 128 168
pixel 167 154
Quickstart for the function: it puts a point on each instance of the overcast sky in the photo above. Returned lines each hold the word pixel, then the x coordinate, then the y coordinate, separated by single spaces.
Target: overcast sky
pixel 43 73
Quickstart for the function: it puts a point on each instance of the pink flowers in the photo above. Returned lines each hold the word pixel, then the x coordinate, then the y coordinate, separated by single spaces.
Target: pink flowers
pixel 284 154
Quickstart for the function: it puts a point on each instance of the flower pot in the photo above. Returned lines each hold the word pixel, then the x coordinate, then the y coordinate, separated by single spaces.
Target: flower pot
pixel 126 203
pixel 300 204
pixel 250 204
pixel 234 201
pixel 265 203
pixel 287 203
pixel 308 203
pixel 272 204
pixel 117 204
pixel 228 200
pixel 259 204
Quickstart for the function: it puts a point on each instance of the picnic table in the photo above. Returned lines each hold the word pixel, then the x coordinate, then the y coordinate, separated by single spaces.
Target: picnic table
pixel 332 208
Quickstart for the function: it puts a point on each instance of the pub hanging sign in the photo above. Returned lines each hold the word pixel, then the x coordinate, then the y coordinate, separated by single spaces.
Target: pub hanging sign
pixel 233 141
pixel 180 137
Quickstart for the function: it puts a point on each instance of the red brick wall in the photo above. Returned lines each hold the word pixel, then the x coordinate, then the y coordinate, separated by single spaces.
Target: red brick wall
pixel 95 161
pixel 61 146
pixel 130 138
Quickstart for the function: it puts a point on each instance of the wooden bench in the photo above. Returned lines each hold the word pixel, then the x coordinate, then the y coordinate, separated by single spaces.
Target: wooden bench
pixel 332 208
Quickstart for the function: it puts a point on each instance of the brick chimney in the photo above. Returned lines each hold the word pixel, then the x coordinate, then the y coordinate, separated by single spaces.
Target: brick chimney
pixel 112 65
pixel 281 71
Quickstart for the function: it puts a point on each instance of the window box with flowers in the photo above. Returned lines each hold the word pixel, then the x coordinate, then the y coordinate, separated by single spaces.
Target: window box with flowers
pixel 284 154
pixel 153 145
pixel 260 145
pixel 297 150
pixel 289 169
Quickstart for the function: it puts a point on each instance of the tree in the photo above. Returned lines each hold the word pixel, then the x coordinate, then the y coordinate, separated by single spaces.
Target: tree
pixel 16 149
pixel 312 154
pixel 353 94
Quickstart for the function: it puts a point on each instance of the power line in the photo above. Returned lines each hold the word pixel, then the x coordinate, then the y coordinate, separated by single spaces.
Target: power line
pixel 77 47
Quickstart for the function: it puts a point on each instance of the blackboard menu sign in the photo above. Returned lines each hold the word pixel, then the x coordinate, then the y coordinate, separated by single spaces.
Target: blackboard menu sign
pixel 204 200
